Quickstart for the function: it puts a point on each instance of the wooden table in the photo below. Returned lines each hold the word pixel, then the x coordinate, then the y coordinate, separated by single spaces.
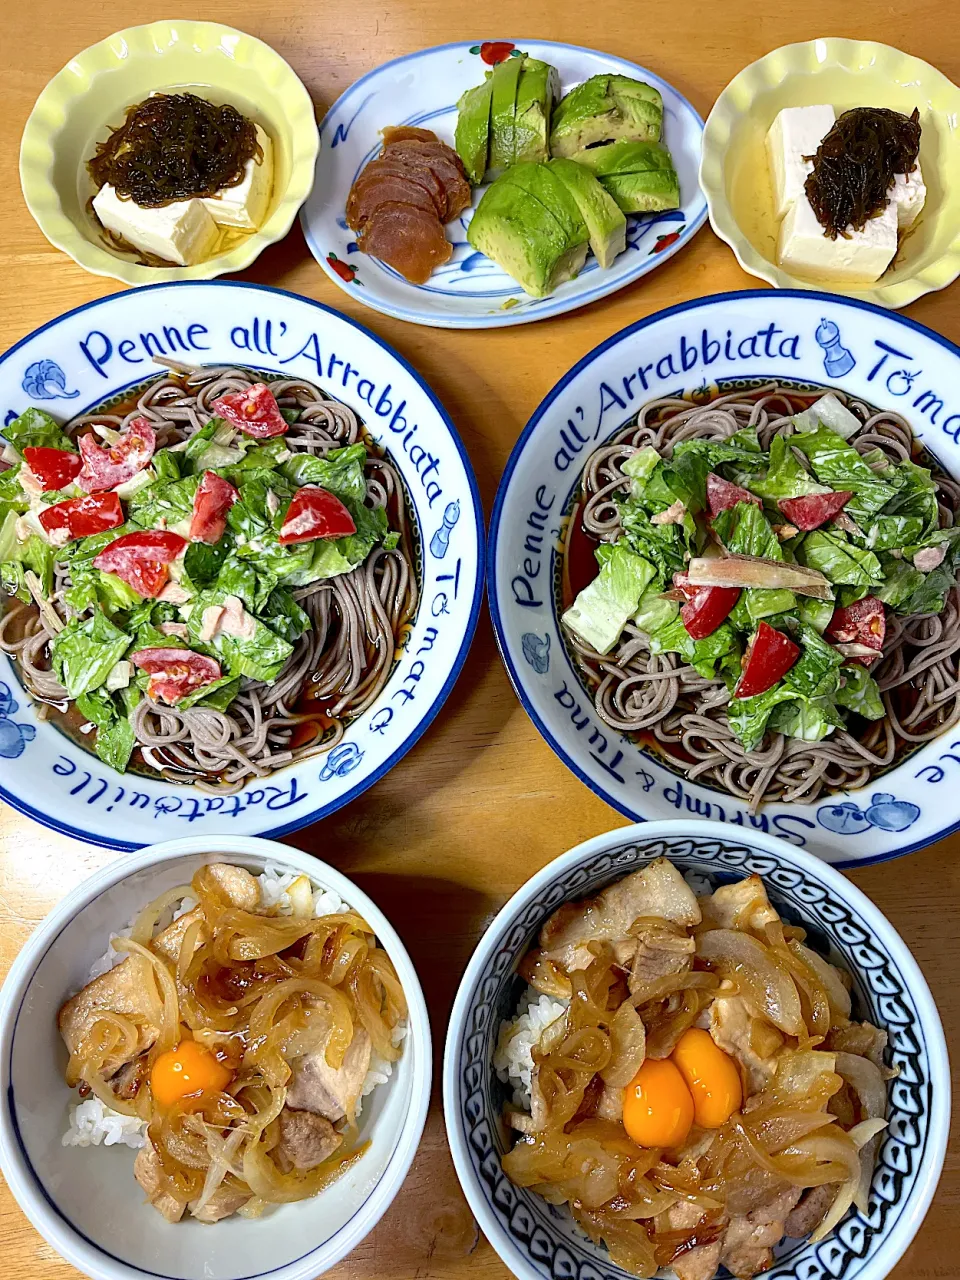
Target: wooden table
pixel 481 802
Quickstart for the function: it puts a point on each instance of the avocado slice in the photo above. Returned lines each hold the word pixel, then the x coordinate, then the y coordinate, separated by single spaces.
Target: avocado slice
pixel 647 192
pixel 473 130
pixel 523 237
pixel 626 157
pixel 603 109
pixel 505 79
pixel 536 180
pixel 606 224
pixel 537 90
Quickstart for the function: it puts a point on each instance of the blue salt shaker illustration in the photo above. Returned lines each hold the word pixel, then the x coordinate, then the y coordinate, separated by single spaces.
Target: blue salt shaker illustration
pixel 441 539
pixel 837 360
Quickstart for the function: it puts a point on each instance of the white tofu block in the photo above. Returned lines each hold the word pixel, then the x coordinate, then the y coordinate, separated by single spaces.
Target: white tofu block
pixel 908 193
pixel 182 233
pixel 245 205
pixel 803 247
pixel 796 132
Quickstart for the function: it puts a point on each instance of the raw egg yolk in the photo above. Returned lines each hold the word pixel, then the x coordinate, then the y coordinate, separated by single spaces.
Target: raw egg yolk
pixel 711 1076
pixel 657 1106
pixel 185 1070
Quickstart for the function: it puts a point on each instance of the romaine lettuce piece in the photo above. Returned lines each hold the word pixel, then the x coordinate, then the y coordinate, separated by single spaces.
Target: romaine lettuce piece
pixel 604 607
pixel 809 719
pixel 260 655
pixel 654 611
pixel 860 693
pixel 36 429
pixel 829 412
pixel 340 471
pixel 838 465
pixel 706 655
pixel 786 476
pixel 85 651
pixel 839 560
pixel 814 674
pixel 115 738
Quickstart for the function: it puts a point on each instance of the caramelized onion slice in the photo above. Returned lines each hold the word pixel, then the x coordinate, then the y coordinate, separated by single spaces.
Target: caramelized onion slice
pixel 754 571
pixel 763 983
pixel 628 1040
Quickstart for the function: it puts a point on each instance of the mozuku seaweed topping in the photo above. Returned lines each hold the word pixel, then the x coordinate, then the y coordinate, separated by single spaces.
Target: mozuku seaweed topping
pixel 855 165
pixel 175 146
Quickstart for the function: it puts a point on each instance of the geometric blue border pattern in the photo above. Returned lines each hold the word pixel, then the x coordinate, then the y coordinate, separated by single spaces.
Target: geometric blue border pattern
pixel 432 711
pixel 552 1243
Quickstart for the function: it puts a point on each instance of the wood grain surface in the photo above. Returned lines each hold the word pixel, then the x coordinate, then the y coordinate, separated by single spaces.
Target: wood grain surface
pixel 481 802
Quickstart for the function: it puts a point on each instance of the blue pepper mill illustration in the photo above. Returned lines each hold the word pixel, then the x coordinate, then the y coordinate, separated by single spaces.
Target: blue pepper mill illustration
pixel 441 539
pixel 837 360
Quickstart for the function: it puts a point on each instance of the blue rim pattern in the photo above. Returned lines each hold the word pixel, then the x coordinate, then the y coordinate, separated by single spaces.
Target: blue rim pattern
pixel 553 1245
pixel 430 715
pixel 507 318
pixel 493 535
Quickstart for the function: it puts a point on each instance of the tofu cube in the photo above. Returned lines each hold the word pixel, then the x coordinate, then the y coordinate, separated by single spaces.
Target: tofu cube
pixel 806 250
pixel 796 132
pixel 182 233
pixel 245 206
pixel 908 193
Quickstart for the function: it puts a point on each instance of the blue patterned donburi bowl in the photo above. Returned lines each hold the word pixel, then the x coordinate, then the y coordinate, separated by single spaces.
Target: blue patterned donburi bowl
pixel 540 1242
pixel 728 341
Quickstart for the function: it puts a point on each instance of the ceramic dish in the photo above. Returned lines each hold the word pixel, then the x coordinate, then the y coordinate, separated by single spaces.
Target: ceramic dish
pixel 94 89
pixel 538 1241
pixel 92 354
pixel 470 291
pixel 844 73
pixel 814 339
pixel 114 1235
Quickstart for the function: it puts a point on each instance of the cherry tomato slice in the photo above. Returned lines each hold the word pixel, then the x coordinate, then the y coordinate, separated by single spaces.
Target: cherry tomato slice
pixel 770 655
pixel 213 499
pixel 814 509
pixel 54 468
pixel 315 513
pixel 705 610
pixel 175 672
pixel 723 494
pixel 80 517
pixel 106 467
pixel 254 411
pixel 141 559
pixel 863 622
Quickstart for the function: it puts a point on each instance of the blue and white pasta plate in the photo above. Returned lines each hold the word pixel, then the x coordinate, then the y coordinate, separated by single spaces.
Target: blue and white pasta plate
pixel 726 342
pixel 470 291
pixel 105 350
pixel 539 1241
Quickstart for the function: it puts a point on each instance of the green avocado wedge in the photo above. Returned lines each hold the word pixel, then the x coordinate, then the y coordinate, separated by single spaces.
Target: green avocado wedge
pixel 538 181
pixel 503 107
pixel 626 157
pixel 537 90
pixel 603 109
pixel 649 192
pixel 525 239
pixel 605 221
pixel 473 130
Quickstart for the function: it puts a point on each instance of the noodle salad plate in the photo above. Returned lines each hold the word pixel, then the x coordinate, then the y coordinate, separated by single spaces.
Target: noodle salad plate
pixel 722 571
pixel 241 560
pixel 469 290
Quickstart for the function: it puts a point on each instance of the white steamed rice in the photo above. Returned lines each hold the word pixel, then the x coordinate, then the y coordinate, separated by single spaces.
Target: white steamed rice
pixel 519 1036
pixel 92 1123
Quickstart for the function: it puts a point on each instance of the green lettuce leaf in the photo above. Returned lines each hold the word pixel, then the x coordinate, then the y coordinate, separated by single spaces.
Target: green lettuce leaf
pixel 260 656
pixel 36 429
pixel 85 651
pixel 839 560
pixel 814 674
pixel 654 611
pixel 604 607
pixel 115 738
pixel 809 719
pixel 838 465
pixel 860 693
pixel 706 655
pixel 745 531
pixel 340 471
pixel 786 476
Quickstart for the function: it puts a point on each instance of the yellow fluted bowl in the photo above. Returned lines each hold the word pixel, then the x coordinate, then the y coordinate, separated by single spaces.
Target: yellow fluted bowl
pixel 91 94
pixel 844 73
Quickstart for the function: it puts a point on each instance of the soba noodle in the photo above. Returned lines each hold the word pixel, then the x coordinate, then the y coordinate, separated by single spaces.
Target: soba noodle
pixel 357 619
pixel 635 690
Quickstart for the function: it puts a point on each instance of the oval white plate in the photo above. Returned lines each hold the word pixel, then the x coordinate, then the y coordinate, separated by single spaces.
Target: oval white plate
pixel 470 291
pixel 92 353
pixel 891 362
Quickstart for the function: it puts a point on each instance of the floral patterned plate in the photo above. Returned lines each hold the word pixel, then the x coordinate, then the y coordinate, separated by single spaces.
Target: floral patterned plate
pixel 470 291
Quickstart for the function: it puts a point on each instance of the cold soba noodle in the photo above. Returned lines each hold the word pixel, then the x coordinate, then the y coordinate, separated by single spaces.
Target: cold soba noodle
pixel 338 666
pixel 684 714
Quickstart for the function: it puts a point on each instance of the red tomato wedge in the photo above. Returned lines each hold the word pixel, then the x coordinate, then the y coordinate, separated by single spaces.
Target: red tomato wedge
pixel 722 494
pixel 254 411
pixel 79 517
pixel 863 622
pixel 54 468
pixel 141 559
pixel 706 607
pixel 315 513
pixel 213 499
pixel 175 672
pixel 104 467
pixel 814 509
pixel 770 655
